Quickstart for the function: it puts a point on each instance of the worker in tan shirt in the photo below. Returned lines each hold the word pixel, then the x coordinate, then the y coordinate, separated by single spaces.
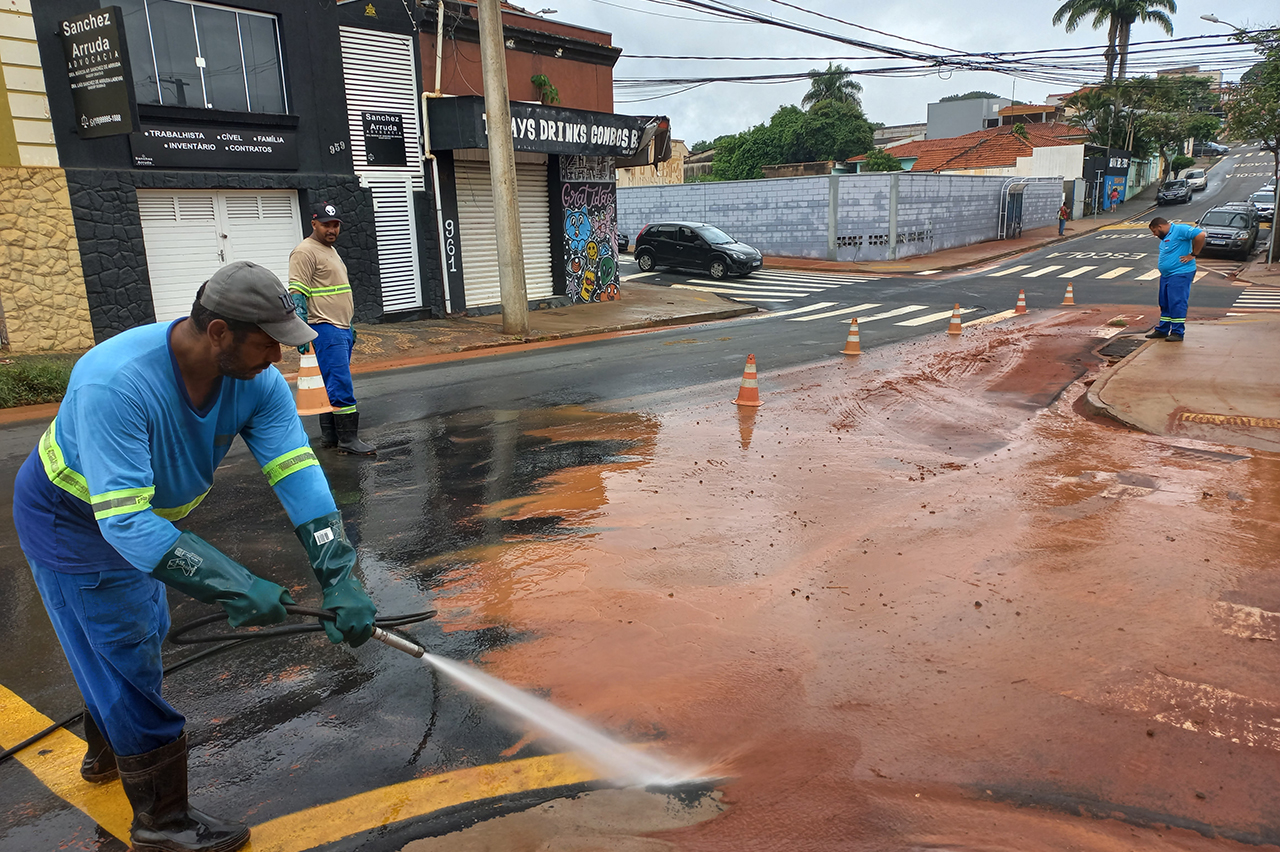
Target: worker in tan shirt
pixel 320 289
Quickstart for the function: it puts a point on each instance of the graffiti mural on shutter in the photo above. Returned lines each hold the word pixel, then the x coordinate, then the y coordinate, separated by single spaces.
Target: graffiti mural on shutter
pixel 589 199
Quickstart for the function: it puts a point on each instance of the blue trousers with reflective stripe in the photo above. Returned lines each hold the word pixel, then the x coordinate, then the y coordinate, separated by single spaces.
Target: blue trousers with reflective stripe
pixel 333 347
pixel 1175 292
pixel 111 624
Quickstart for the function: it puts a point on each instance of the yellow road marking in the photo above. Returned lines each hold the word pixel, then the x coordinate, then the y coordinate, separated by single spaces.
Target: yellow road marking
pixel 55 761
pixel 396 802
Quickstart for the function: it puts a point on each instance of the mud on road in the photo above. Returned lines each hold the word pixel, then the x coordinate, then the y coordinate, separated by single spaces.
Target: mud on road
pixel 915 601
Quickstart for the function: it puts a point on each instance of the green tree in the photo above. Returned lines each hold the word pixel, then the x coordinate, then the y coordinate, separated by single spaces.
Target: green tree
pixel 969 96
pixel 880 160
pixel 1146 11
pixel 834 84
pixel 1176 109
pixel 1253 107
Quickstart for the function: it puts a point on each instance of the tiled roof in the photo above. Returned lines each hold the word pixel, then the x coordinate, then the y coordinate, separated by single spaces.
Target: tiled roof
pixel 996 147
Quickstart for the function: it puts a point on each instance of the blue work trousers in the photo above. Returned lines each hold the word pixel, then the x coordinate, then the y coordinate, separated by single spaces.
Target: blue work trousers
pixel 1175 291
pixel 111 624
pixel 333 347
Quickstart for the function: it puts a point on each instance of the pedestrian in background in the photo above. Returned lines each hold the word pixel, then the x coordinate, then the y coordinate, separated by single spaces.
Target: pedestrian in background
pixel 322 293
pixel 1063 215
pixel 1179 246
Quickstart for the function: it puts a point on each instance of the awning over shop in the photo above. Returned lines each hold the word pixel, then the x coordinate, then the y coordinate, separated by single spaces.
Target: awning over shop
pixel 460 123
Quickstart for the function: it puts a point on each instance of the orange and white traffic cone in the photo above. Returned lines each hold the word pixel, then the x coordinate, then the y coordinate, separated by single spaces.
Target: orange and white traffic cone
pixel 312 397
pixel 851 346
pixel 1070 298
pixel 1021 307
pixel 955 327
pixel 749 392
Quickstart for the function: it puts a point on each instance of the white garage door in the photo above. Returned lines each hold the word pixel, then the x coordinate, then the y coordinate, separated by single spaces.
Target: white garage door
pixel 477 231
pixel 190 234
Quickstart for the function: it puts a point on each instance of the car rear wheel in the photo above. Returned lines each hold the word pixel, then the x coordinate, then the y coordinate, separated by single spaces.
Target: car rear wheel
pixel 718 268
pixel 644 260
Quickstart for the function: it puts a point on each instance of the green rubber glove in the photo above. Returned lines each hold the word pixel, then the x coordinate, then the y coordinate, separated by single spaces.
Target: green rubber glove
pixel 199 569
pixel 333 559
pixel 300 308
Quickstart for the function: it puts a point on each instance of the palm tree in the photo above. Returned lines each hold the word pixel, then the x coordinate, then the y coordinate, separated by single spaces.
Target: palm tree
pixel 1146 11
pixel 834 84
pixel 1118 16
pixel 1073 12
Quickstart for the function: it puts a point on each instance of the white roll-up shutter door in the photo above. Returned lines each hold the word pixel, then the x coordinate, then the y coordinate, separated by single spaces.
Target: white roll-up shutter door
pixel 381 76
pixel 478 231
pixel 189 235
pixel 397 243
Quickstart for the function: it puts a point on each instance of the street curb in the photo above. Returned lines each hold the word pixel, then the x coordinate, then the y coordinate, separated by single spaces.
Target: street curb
pixel 1092 401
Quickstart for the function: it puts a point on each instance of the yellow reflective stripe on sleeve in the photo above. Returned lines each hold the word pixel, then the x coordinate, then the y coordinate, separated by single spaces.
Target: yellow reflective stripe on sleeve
pixel 331 291
pixel 55 466
pixel 291 462
pixel 126 501
pixel 177 513
pixel 301 288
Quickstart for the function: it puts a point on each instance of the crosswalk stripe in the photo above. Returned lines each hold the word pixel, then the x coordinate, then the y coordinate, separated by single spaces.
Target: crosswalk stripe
pixel 845 311
pixel 724 291
pixel 1115 273
pixel 1046 270
pixel 771 287
pixel 1009 271
pixel 1079 270
pixel 896 312
pixel 820 279
pixel 1200 273
pixel 819 306
pixel 927 318
pixel 1148 276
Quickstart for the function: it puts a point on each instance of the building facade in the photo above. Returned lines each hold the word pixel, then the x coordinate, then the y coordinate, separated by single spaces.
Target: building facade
pixel 43 304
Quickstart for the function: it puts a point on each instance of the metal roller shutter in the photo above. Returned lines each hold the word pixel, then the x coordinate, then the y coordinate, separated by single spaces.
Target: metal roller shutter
pixel 477 231
pixel 397 243
pixel 189 235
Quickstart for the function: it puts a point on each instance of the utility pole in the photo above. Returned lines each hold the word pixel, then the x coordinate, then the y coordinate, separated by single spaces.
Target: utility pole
pixel 502 170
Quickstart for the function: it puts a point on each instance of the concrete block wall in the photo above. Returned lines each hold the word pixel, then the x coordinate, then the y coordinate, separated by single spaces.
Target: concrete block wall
pixel 788 216
pixel 782 216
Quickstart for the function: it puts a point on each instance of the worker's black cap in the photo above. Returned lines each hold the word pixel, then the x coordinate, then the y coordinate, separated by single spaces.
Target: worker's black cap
pixel 325 212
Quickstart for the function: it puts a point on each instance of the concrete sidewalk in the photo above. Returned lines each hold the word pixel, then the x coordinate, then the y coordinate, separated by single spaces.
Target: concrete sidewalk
pixel 1219 385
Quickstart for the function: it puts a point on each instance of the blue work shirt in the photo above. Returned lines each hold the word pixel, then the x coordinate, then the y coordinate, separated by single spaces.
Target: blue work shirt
pixel 1175 245
pixel 129 454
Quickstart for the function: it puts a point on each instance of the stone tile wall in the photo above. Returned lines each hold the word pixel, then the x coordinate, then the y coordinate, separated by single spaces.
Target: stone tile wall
pixel 41 282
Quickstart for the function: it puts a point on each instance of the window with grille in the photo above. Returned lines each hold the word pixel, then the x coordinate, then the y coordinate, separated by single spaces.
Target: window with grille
pixel 204 56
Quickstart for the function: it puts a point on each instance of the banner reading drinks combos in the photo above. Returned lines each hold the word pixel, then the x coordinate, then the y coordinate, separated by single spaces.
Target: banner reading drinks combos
pixel 98 71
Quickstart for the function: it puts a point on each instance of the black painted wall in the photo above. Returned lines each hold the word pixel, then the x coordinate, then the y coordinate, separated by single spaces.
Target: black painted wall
pixel 103 183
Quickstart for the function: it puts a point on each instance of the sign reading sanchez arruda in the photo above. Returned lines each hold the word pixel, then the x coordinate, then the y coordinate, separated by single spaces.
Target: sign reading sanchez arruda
pixel 173 146
pixel 98 71
pixel 460 123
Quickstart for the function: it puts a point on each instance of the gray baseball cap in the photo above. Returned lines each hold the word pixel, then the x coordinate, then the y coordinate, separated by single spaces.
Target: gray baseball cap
pixel 251 293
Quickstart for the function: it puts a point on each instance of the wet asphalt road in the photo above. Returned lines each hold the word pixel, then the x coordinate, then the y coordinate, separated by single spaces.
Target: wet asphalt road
pixel 287 724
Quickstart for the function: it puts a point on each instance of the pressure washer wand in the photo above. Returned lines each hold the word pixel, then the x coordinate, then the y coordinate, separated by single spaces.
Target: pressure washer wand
pixel 413 649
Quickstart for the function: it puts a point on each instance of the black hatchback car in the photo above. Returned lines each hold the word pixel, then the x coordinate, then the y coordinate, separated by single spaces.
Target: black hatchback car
pixel 1230 230
pixel 694 245
pixel 1174 192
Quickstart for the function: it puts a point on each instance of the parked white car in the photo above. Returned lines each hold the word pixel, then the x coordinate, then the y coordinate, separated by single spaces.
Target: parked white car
pixel 1196 179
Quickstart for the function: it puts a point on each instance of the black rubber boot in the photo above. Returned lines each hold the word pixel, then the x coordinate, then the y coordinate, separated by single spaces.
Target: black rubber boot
pixel 99 764
pixel 163 821
pixel 348 439
pixel 328 431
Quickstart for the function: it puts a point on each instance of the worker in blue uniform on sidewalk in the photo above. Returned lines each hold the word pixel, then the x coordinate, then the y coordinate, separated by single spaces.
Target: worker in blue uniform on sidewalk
pixel 1179 246
pixel 147 418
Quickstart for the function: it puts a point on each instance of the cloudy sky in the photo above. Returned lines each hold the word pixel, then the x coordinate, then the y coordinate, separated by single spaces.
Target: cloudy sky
pixel 663 27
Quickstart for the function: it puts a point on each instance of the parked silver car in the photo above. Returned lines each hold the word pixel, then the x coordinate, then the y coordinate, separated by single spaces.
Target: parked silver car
pixel 1196 179
pixel 1265 202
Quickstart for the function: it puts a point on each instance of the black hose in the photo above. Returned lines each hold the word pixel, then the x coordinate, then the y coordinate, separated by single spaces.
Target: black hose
pixel 229 640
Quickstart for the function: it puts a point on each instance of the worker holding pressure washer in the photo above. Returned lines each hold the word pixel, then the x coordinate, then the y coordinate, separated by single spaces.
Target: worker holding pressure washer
pixel 147 418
